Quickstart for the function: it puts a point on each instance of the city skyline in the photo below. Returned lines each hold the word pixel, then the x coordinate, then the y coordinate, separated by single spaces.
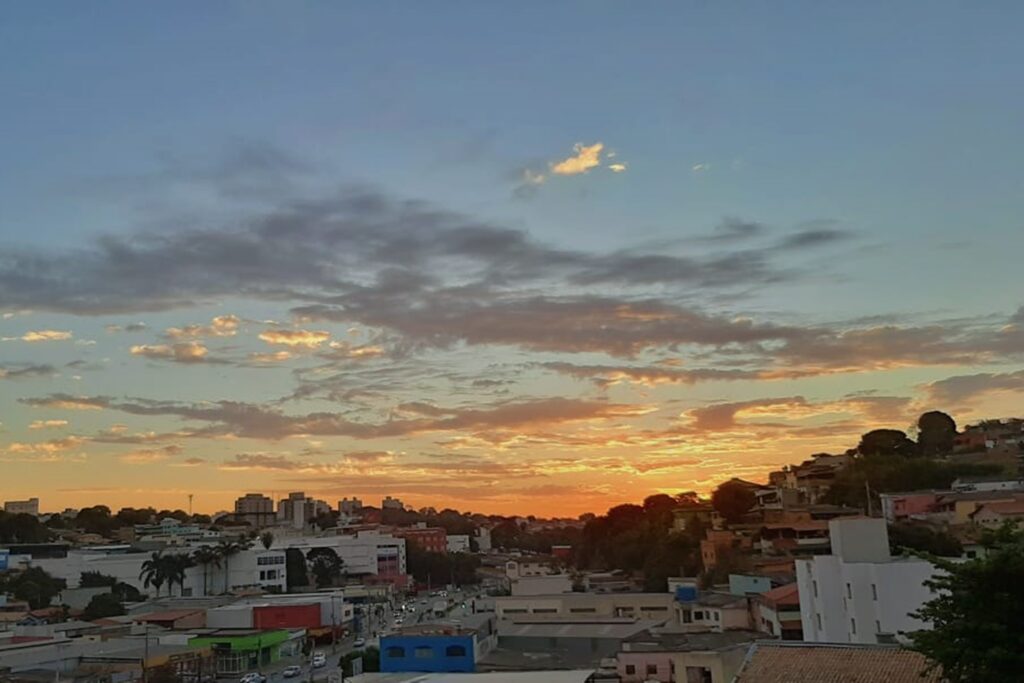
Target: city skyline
pixel 518 262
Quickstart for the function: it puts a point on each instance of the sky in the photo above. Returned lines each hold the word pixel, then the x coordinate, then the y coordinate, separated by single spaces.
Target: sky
pixel 532 258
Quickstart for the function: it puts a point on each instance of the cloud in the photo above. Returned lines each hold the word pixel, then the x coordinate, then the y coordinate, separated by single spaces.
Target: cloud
pixel 66 402
pixel 700 167
pixel 815 237
pixel 190 462
pixel 585 158
pixel 146 456
pixel 605 375
pixel 305 338
pixel 130 327
pixel 960 390
pixel 255 421
pixel 27 371
pixel 41 336
pixel 182 352
pixel 272 357
pixel 51 447
pixel 221 326
pixel 262 461
pixel 47 424
pixel 618 167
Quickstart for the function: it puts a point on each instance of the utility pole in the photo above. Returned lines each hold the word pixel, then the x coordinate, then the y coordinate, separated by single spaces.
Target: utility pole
pixel 867 492
pixel 190 505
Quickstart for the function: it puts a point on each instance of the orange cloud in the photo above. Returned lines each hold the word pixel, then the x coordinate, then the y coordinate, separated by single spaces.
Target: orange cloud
pixel 42 336
pixel 183 352
pixel 306 338
pixel 47 424
pixel 221 326
pixel 585 158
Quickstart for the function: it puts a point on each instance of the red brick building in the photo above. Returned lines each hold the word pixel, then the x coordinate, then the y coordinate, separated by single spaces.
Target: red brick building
pixel 433 539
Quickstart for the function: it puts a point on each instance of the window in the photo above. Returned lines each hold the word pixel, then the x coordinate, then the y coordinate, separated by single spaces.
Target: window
pixel 814 584
pixel 874 592
pixel 878 626
pixel 652 669
pixel 654 609
pixel 423 652
pixel 545 610
pixel 514 611
pixel 853 626
pixel 849 591
pixel 582 610
pixel 698 615
pixel 630 669
pixel 455 651
pixel 395 652
pixel 819 621
pixel 717 615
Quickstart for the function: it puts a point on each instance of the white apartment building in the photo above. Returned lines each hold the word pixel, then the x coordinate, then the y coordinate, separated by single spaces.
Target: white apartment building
pixel 366 552
pixel 22 507
pixel 458 543
pixel 860 593
pixel 253 568
pixel 655 606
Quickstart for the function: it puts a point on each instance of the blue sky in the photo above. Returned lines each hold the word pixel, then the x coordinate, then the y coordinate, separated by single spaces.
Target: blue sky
pixel 895 130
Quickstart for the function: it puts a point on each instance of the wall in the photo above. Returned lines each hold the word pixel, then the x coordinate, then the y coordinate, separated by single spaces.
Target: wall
pixel 661 661
pixel 746 584
pixel 438 648
pixel 658 606
pixel 722 664
pixel 286 616
pixel 541 585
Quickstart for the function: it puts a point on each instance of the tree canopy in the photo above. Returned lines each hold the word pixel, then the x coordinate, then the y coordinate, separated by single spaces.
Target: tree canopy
pixel 886 442
pixel 977 633
pixel 101 606
pixel 325 565
pixel 935 433
pixel 732 500
pixel 22 528
pixel 32 585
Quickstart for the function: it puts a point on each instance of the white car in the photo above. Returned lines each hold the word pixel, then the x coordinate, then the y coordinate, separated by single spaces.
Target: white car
pixel 253 677
pixel 359 642
pixel 292 671
pixel 319 660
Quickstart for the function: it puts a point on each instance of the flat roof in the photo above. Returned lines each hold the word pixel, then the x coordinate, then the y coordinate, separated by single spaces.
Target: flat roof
pixel 578 629
pixel 575 676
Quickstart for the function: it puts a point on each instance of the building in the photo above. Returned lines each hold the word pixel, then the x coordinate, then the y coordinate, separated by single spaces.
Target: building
pixel 439 647
pixel 22 507
pixel 368 554
pixel 572 642
pixel 718 542
pixel 713 611
pixel 256 509
pixel 174 619
pixel 777 612
pixel 797 538
pixel 240 650
pixel 433 539
pixel 170 531
pixel 898 507
pixel 656 607
pixel 860 593
pixel 483 539
pixel 957 508
pixel 989 483
pixel 348 506
pixel 777 662
pixel 993 515
pixel 390 503
pixel 713 657
pixel 248 569
pixel 458 543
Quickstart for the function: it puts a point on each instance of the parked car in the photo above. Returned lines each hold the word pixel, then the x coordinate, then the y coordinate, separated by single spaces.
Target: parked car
pixel 319 660
pixel 359 642
pixel 292 671
pixel 253 677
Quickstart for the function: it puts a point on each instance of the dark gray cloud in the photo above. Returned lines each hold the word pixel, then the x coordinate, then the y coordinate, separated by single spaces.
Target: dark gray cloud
pixel 249 420
pixel 734 230
pixel 604 375
pixel 26 371
pixel 962 389
pixel 813 237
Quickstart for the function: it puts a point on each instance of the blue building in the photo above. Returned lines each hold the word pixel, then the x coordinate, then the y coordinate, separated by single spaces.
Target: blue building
pixel 438 648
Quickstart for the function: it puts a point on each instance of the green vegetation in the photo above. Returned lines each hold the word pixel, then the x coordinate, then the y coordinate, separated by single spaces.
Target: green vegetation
pixel 123 591
pixel 101 606
pixel 732 500
pixel 440 568
pixel 371 661
pixel 326 566
pixel 922 539
pixel 170 569
pixel 295 564
pixel 33 585
pixel 977 635
pixel 23 528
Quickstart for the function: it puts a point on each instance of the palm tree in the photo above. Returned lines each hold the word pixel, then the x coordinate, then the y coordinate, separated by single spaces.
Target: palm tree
pixel 267 539
pixel 225 549
pixel 154 572
pixel 177 568
pixel 205 556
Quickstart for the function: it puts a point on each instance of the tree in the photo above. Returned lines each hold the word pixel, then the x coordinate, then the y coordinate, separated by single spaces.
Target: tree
pixel 96 520
pixel 227 550
pixel 923 539
pixel 886 442
pixel 177 570
pixel 371 661
pixel 206 556
pixel 732 500
pixel 977 635
pixel 325 565
pixel 154 572
pixel 267 540
pixel 23 528
pixel 101 606
pixel 32 585
pixel 295 565
pixel 935 433
pixel 96 580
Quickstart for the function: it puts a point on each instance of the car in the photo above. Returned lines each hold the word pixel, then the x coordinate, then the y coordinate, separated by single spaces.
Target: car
pixel 292 671
pixel 359 642
pixel 319 660
pixel 253 677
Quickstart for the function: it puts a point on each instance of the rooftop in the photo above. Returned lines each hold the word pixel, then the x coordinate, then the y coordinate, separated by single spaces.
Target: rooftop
pixel 606 628
pixel 578 676
pixel 788 595
pixel 779 662
pixel 687 642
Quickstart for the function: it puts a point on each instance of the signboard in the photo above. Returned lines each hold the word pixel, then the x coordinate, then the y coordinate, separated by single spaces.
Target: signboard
pixel 5 556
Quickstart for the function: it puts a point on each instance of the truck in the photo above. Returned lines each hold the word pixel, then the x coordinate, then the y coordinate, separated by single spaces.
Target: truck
pixel 440 608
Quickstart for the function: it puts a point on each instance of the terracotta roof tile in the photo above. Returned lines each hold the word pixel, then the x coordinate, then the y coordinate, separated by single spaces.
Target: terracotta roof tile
pixel 826 663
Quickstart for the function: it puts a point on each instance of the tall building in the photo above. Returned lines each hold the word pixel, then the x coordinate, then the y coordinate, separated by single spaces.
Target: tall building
pixel 22 507
pixel 298 511
pixel 390 503
pixel 256 509
pixel 348 506
pixel 861 593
